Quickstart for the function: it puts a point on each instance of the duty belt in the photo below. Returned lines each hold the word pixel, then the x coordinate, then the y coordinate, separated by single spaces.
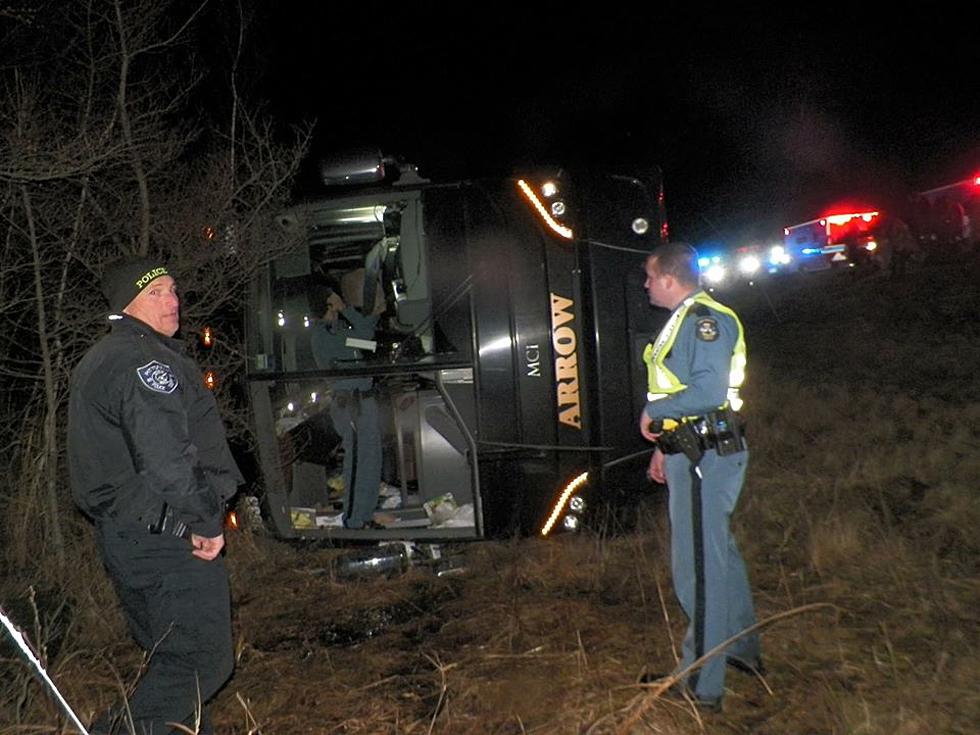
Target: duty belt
pixel 722 430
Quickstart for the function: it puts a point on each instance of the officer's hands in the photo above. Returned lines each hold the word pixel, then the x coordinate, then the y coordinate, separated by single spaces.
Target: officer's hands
pixel 645 427
pixel 656 469
pixel 207 548
pixel 335 302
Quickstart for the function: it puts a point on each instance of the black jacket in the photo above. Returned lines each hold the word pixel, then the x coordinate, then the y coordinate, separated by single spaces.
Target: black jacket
pixel 143 430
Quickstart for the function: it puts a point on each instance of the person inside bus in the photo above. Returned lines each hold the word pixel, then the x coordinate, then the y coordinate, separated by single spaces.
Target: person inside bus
pixel 353 408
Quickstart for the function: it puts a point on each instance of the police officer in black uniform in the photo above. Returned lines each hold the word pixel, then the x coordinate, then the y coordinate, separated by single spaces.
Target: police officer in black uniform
pixel 150 464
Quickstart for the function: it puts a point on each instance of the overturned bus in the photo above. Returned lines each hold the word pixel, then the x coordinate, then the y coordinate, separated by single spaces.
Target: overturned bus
pixel 505 363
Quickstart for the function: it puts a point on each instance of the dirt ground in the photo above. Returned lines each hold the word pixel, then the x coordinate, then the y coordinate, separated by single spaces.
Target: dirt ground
pixel 857 523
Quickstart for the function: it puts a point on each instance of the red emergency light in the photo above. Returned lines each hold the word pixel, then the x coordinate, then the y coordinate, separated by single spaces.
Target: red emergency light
pixel 843 219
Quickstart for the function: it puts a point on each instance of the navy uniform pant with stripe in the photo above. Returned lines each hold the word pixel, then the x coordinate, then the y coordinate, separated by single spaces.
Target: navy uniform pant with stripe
pixel 709 575
pixel 179 611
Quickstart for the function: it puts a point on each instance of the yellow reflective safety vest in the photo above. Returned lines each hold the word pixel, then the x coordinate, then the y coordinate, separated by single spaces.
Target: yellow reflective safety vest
pixel 661 382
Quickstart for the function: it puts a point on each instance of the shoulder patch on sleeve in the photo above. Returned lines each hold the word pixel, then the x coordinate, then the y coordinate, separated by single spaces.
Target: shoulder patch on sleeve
pixel 700 310
pixel 707 329
pixel 157 377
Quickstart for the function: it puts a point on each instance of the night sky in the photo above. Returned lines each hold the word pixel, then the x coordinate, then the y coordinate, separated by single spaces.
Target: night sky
pixel 757 120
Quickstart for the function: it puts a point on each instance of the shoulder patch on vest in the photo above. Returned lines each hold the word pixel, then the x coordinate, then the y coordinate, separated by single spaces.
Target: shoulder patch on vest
pixel 157 377
pixel 707 329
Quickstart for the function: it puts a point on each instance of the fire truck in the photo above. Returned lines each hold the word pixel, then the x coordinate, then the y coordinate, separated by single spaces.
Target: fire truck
pixel 507 358
pixel 845 239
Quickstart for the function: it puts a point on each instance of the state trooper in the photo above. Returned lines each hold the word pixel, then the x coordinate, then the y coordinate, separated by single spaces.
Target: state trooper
pixel 150 464
pixel 695 368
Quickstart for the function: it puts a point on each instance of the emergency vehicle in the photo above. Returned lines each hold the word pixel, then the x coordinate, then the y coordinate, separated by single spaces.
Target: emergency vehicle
pixel 846 239
pixel 507 362
pixel 948 215
pixel 740 266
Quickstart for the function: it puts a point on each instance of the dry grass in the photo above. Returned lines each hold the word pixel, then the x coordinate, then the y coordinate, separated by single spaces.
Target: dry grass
pixel 859 518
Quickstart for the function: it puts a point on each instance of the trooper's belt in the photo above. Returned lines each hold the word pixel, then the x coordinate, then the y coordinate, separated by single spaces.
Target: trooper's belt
pixel 722 430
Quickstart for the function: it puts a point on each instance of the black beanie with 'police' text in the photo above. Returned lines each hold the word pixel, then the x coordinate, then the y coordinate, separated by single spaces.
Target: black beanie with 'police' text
pixel 123 280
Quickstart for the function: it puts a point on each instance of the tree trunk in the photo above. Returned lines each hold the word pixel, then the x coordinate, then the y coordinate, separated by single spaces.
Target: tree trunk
pixel 48 459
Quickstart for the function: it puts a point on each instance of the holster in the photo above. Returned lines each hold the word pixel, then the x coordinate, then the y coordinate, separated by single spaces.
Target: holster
pixel 168 524
pixel 682 439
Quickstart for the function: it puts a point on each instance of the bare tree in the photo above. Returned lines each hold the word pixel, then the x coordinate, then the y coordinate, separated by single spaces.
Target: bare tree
pixel 101 156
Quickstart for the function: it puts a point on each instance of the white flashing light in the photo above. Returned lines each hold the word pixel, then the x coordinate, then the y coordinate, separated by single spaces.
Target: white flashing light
pixel 779 256
pixel 556 227
pixel 871 246
pixel 290 407
pixel 562 499
pixel 306 321
pixel 549 189
pixel 716 273
pixel 749 264
pixel 281 319
pixel 313 397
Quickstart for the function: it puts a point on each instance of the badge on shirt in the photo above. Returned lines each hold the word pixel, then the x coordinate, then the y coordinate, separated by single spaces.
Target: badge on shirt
pixel 707 329
pixel 157 377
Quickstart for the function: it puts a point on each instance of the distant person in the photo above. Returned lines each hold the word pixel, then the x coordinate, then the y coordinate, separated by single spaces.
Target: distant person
pixel 150 464
pixel 955 223
pixel 857 256
pixel 695 369
pixel 902 247
pixel 353 408
pixel 972 208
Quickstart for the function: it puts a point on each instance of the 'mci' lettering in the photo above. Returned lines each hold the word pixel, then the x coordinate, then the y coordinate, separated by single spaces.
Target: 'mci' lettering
pixel 563 341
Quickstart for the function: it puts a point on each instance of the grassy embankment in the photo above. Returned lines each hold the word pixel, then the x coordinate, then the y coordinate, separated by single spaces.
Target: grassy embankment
pixel 859 519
